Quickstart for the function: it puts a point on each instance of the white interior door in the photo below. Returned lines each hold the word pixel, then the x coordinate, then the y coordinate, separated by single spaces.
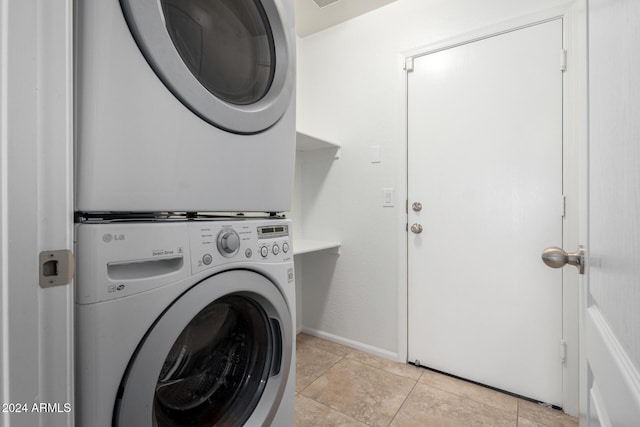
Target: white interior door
pixel 611 306
pixel 485 162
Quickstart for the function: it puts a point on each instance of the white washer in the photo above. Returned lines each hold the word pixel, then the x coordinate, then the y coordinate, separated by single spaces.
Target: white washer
pixel 185 323
pixel 185 105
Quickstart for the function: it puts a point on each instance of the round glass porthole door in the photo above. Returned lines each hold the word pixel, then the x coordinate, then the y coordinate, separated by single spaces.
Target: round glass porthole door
pixel 215 357
pixel 226 44
pixel 216 370
pixel 229 61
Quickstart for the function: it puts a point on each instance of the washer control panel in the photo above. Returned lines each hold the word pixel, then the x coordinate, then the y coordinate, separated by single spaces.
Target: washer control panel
pixel 119 259
pixel 216 243
pixel 271 242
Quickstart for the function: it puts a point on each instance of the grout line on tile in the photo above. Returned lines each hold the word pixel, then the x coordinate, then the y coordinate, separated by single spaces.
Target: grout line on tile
pixel 383 368
pixel 403 402
pixel 472 399
pixel 518 397
pixel 338 411
pixel 322 373
pixel 380 369
pixel 343 357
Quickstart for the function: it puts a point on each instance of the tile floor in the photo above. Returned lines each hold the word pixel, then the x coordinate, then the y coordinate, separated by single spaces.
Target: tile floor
pixel 340 386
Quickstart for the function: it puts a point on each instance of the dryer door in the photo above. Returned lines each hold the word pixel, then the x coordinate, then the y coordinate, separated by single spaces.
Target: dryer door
pixel 230 61
pixel 219 355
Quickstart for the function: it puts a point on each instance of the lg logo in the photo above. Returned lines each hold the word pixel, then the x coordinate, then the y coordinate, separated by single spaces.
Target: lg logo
pixel 115 288
pixel 110 237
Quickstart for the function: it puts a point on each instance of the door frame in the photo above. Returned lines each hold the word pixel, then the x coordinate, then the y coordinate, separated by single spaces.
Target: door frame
pixel 574 156
pixel 36 208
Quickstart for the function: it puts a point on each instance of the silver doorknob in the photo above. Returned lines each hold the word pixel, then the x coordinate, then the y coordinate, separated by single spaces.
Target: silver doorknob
pixel 416 206
pixel 416 228
pixel 556 257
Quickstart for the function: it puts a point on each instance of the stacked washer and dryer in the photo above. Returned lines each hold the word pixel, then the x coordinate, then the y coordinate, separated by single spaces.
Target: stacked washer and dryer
pixel 185 145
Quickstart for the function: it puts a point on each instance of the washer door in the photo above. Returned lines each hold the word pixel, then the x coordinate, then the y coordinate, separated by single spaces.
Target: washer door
pixel 219 355
pixel 229 61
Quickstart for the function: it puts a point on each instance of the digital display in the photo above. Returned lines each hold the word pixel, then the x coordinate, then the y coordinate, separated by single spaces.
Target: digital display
pixel 268 232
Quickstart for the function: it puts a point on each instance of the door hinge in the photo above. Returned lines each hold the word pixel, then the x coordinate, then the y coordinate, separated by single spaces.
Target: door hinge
pixel 563 351
pixel 563 60
pixel 408 64
pixel 563 206
pixel 56 268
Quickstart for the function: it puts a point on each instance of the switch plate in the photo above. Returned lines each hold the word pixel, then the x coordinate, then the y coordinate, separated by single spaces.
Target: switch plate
pixel 388 197
pixel 374 153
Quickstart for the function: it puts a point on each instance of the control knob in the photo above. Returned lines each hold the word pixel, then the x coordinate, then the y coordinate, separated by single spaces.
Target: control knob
pixel 228 243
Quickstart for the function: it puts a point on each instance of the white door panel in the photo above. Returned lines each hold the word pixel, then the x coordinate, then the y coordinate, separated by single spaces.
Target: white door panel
pixel 611 308
pixel 485 161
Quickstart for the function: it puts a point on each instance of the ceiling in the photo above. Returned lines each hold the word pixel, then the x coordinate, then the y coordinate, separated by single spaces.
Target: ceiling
pixel 311 18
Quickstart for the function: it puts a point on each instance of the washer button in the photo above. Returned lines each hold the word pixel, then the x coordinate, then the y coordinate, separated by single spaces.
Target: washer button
pixel 248 253
pixel 276 249
pixel 264 251
pixel 207 259
pixel 285 247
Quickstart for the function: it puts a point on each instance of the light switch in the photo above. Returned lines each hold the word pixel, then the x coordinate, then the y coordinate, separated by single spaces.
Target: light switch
pixel 374 153
pixel 388 197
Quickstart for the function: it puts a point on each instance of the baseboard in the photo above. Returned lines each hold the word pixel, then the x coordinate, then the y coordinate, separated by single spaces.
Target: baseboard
pixel 353 344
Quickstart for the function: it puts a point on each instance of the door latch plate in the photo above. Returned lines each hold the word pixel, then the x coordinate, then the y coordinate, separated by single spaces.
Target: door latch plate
pixel 56 268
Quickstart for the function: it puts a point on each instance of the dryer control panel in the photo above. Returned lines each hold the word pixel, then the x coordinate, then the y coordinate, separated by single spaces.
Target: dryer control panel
pixel 218 243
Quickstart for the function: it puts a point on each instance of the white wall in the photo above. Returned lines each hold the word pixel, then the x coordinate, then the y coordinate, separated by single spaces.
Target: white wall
pixel 351 91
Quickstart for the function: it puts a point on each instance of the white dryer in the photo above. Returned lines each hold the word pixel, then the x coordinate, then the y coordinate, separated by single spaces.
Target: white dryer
pixel 185 105
pixel 185 324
